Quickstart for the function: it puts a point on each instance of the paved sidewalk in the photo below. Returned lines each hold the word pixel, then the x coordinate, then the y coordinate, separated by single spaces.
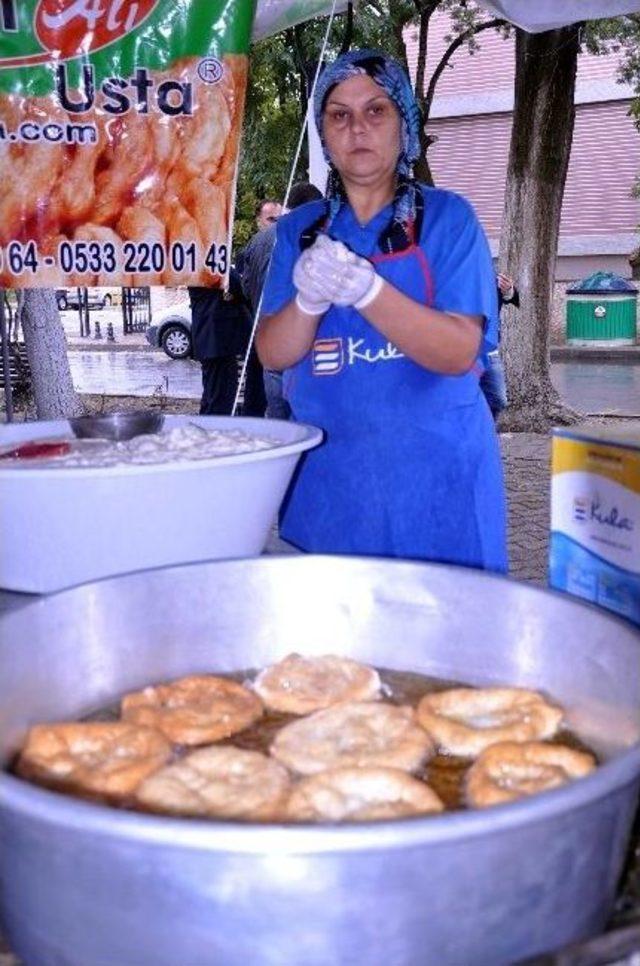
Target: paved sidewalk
pixel 527 464
pixel 527 468
pixel 527 461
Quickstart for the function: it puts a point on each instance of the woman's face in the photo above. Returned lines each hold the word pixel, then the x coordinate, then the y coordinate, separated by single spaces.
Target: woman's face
pixel 361 131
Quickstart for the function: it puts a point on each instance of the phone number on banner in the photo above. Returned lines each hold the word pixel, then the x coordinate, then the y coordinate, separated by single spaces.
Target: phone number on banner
pixel 105 258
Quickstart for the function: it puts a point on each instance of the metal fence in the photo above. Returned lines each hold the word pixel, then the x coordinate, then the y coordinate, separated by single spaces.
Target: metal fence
pixel 136 310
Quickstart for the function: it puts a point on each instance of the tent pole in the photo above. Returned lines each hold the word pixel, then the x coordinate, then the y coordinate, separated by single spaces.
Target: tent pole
pixel 6 362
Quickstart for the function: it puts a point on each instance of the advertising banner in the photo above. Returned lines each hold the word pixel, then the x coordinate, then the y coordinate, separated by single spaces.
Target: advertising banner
pixel 119 130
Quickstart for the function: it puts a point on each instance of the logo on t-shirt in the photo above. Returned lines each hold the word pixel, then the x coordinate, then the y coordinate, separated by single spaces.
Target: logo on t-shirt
pixel 328 357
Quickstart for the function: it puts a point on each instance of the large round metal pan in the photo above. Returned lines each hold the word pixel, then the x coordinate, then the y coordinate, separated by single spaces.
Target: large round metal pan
pixel 85 885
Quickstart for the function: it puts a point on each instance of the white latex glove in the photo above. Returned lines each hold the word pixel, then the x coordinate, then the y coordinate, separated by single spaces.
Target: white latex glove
pixel 311 296
pixel 358 283
pixel 338 275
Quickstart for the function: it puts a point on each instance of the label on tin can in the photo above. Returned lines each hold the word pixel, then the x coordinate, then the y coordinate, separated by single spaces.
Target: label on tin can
pixel 595 521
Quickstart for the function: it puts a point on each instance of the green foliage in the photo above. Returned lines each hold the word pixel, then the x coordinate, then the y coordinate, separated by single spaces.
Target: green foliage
pixel 282 68
pixel 467 17
pixel 619 35
pixel 271 127
pixel 276 99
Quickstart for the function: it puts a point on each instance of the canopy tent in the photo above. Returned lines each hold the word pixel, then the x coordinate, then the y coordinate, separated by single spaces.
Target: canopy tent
pixel 549 14
pixel 275 15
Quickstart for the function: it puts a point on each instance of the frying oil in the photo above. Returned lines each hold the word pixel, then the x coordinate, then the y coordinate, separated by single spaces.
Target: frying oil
pixel 444 773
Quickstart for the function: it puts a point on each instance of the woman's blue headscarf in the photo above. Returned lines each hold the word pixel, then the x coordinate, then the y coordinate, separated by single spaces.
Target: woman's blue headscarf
pixel 390 76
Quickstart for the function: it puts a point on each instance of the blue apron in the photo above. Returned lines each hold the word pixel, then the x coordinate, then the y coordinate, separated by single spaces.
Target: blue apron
pixel 410 466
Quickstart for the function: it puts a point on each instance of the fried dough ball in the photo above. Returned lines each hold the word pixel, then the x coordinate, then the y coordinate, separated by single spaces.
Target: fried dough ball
pixel 355 735
pixel 204 132
pixel 465 721
pixel 182 229
pixel 180 169
pixel 74 193
pixel 223 782
pixel 194 710
pixel 29 170
pixel 104 236
pixel 360 795
pixel 300 685
pixel 95 759
pixel 511 770
pixel 132 158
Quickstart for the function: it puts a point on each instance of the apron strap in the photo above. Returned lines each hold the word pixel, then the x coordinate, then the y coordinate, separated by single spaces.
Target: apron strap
pixel 393 240
pixel 398 236
pixel 309 235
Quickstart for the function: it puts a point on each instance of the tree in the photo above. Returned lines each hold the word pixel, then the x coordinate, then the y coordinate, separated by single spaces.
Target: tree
pixel 467 21
pixel 618 35
pixel 282 70
pixel 53 391
pixel 541 137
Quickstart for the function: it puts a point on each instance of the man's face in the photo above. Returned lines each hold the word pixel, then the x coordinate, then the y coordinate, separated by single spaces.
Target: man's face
pixel 269 213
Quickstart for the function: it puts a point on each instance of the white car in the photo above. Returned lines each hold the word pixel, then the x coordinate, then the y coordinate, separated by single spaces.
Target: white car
pixel 171 330
pixel 97 298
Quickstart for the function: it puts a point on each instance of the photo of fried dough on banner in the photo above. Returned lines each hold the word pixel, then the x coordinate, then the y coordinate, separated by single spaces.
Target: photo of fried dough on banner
pixel 151 192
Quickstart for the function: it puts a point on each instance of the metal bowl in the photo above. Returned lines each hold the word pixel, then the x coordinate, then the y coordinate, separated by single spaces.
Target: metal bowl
pixel 117 426
pixel 92 886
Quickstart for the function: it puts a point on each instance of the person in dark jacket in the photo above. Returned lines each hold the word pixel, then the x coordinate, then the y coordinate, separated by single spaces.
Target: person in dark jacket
pixel 220 327
pixel 254 265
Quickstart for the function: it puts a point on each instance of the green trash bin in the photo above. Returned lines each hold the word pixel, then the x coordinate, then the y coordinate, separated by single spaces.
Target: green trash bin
pixel 601 311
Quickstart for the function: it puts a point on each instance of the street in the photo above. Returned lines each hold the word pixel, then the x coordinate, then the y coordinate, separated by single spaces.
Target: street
pixel 134 374
pixel 599 388
pixel 591 388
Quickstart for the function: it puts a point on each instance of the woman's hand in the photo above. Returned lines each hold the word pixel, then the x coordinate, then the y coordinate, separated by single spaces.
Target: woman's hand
pixel 307 278
pixel 445 342
pixel 336 275
pixel 329 273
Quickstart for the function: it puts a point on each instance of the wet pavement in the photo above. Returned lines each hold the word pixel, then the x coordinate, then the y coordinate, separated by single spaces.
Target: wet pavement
pixel 589 387
pixel 127 373
pixel 599 387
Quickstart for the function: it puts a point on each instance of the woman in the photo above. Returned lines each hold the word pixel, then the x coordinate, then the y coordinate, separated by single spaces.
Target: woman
pixel 379 303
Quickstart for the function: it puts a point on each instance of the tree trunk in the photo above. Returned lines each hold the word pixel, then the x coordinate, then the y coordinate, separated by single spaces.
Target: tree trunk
pixel 543 119
pixel 422 168
pixel 53 391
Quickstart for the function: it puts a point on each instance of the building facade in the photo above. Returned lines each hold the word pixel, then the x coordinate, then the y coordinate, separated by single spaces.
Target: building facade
pixel 471 118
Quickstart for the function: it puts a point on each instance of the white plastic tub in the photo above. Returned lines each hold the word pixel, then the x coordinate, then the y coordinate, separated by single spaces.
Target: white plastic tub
pixel 64 526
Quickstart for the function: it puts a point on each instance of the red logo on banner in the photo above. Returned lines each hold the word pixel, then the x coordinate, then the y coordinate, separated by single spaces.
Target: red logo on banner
pixel 67 28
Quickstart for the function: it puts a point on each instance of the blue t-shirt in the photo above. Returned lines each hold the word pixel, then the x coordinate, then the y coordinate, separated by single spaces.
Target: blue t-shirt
pixel 410 465
pixel 452 240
